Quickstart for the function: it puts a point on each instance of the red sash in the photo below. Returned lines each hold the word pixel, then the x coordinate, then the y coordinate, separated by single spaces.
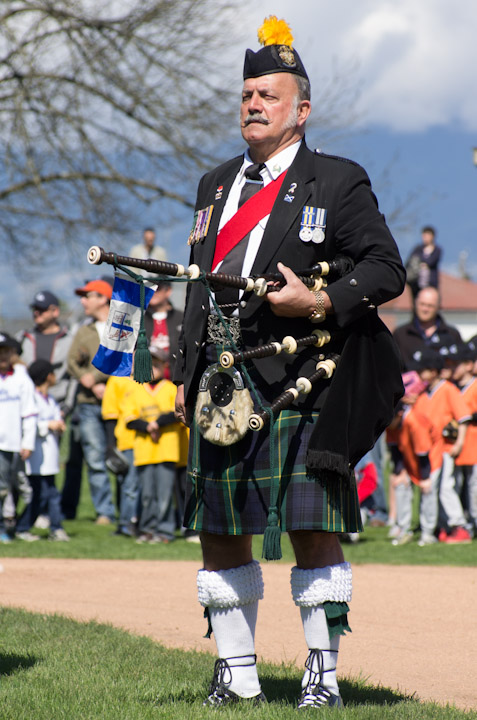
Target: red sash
pixel 257 207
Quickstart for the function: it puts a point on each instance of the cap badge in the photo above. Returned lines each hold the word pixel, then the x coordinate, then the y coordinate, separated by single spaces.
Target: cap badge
pixel 287 56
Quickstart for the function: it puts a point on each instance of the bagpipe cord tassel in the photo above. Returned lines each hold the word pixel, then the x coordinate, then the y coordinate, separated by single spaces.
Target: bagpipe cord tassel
pixel 271 549
pixel 142 357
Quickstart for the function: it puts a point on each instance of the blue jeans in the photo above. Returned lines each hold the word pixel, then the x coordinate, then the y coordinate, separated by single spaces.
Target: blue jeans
pixel 157 488
pixel 44 490
pixel 93 442
pixel 129 492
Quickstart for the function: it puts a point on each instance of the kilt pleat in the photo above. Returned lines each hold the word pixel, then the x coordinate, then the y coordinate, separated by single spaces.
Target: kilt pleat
pixel 229 489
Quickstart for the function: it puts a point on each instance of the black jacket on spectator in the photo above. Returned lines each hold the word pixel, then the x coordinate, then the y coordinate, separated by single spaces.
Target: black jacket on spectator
pixel 410 338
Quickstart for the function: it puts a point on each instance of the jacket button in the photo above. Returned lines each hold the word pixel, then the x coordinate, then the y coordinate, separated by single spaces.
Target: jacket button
pixel 353 282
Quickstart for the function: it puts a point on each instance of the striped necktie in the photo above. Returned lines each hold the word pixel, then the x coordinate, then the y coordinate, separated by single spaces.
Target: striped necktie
pixel 233 262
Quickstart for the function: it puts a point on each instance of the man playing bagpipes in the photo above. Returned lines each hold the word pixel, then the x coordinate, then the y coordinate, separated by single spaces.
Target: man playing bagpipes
pixel 280 206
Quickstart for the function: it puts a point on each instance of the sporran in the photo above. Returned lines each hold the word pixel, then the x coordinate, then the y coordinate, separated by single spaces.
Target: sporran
pixel 223 407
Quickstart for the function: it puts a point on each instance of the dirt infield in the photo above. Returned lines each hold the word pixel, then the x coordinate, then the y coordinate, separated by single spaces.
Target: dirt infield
pixel 414 628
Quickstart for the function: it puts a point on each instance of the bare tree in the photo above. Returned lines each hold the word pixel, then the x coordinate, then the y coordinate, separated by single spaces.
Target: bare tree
pixel 103 105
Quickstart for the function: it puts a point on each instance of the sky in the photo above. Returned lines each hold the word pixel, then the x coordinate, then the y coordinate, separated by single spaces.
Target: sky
pixel 412 66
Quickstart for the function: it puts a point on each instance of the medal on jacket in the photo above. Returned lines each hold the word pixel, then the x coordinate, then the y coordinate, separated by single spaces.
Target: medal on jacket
pixel 200 225
pixel 313 224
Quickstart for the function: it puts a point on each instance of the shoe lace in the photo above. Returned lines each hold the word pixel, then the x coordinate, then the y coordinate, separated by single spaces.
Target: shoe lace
pixel 315 693
pixel 223 675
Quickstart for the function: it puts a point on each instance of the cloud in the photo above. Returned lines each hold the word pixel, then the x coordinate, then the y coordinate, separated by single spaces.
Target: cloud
pixel 416 59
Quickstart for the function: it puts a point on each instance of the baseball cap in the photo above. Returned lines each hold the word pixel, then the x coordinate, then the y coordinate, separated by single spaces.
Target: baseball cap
pixel 427 359
pixel 99 286
pixel 466 352
pixel 39 371
pixel 7 340
pixel 43 299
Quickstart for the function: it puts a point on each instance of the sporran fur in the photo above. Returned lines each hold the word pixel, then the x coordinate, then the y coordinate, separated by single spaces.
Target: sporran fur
pixel 223 407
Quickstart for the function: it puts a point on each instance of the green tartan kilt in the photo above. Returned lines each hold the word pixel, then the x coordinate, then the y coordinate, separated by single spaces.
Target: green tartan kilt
pixel 228 489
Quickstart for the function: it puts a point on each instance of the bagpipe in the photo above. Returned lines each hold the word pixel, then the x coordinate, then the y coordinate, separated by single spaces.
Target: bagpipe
pixel 313 278
pixel 225 410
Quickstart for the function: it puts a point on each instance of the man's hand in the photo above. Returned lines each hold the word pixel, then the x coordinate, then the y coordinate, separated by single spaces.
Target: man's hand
pixel 181 411
pixel 294 299
pixel 25 454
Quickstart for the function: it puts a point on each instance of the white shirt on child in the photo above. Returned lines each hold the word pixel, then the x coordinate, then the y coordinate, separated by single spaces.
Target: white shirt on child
pixel 17 411
pixel 45 459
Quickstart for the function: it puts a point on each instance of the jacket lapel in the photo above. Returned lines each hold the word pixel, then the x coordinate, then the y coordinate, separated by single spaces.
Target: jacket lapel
pixel 284 214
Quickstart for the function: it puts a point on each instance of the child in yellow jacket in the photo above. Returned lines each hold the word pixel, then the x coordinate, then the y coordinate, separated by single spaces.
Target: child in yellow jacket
pixel 149 411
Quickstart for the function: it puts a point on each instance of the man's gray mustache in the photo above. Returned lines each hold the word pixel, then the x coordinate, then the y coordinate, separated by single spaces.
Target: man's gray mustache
pixel 255 118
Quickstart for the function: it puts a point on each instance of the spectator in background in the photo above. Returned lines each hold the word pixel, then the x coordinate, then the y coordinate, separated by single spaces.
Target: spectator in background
pixel 44 463
pixel 95 297
pixel 149 411
pixel 18 416
pixel 49 340
pixel 147 249
pixel 466 461
pixel 442 403
pixel 422 266
pixel 70 494
pixel 120 445
pixel 427 328
pixel 416 459
pixel 163 322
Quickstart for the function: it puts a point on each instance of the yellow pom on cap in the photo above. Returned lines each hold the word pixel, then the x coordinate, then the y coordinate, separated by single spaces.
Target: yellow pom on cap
pixel 276 55
pixel 275 32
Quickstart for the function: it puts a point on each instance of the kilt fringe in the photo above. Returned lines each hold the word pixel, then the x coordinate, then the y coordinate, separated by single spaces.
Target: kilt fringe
pixel 327 467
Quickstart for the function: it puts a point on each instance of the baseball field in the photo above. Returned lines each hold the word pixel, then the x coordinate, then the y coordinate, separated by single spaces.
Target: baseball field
pixel 103 628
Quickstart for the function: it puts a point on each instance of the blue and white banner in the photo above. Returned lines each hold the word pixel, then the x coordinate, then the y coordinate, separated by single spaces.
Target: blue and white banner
pixel 115 353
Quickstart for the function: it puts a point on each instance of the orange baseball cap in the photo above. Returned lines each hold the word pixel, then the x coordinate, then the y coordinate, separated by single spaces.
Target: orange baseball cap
pixel 100 286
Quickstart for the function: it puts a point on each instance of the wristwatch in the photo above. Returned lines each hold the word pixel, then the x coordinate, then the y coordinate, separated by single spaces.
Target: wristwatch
pixel 319 314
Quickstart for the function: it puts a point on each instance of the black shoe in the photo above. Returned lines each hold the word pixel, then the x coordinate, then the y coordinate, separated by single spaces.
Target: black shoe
pixel 220 694
pixel 318 696
pixel 315 694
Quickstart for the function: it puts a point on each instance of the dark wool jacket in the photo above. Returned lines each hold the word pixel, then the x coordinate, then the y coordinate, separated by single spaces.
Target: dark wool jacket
pixel 358 402
pixel 410 338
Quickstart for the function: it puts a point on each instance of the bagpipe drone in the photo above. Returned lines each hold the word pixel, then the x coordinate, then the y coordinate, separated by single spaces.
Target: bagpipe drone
pixel 224 410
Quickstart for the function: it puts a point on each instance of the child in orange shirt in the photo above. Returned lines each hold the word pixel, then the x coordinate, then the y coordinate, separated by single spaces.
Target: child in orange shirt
pixel 466 461
pixel 416 461
pixel 442 403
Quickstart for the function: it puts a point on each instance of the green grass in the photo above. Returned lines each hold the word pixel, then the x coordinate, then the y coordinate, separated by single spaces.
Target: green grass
pixel 91 541
pixel 55 668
